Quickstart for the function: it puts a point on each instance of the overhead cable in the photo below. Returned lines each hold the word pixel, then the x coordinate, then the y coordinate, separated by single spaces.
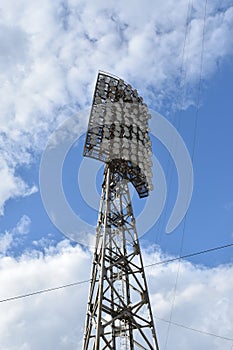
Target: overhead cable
pixel 194 329
pixel 87 281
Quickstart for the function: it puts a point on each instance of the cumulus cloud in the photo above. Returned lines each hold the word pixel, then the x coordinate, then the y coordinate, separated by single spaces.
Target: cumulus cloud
pixel 56 320
pixel 201 300
pixel 51 51
pixel 46 320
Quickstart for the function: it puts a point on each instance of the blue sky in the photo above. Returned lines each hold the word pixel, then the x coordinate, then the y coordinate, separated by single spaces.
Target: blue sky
pixel 50 56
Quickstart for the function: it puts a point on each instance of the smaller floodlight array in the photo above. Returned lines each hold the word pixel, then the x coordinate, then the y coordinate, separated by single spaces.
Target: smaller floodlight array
pixel 118 130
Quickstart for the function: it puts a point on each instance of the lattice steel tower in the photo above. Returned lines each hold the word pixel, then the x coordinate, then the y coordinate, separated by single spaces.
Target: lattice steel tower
pixel 119 315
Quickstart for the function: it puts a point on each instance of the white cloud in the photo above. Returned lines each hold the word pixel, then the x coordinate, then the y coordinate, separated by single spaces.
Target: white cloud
pixel 6 240
pixel 51 51
pixel 12 186
pixel 203 301
pixel 22 226
pixel 47 319
pixel 9 238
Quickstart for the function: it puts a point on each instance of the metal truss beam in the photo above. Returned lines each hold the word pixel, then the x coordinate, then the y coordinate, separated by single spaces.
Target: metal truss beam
pixel 119 315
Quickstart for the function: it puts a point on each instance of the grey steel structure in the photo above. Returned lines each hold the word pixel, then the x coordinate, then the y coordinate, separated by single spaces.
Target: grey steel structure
pixel 119 315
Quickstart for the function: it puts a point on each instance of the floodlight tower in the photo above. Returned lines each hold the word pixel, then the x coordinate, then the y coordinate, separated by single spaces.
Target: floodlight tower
pixel 119 315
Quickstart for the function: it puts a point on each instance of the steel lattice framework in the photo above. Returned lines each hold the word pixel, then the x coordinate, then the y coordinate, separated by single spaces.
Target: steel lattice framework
pixel 119 315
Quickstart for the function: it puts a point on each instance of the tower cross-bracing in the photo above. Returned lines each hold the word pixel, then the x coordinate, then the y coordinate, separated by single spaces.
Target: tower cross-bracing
pixel 119 314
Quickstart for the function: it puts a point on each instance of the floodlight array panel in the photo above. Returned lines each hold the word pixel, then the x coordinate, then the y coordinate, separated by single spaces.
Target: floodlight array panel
pixel 118 129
